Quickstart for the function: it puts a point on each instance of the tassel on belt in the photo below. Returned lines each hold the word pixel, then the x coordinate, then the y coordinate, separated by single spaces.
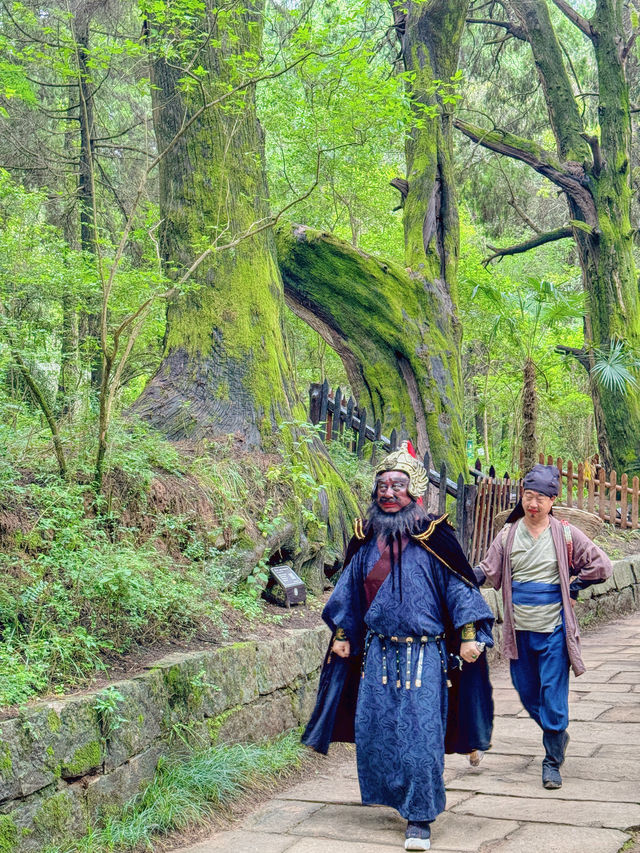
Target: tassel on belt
pixel 409 641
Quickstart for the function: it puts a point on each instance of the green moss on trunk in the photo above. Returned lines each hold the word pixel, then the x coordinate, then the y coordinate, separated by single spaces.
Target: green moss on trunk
pixel 226 367
pixel 381 322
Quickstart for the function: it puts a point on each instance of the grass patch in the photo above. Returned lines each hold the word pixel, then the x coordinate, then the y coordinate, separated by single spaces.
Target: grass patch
pixel 190 791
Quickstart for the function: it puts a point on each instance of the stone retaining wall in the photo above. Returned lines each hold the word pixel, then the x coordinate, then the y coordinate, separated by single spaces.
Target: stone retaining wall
pixel 62 761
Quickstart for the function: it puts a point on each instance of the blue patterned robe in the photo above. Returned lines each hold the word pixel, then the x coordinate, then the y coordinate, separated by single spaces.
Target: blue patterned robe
pixel 400 733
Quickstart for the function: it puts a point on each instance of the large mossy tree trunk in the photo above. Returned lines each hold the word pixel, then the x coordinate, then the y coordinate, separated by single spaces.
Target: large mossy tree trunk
pixel 430 33
pixel 225 367
pixel 594 172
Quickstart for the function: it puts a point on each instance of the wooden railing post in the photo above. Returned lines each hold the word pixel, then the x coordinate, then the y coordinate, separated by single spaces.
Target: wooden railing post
pixel 362 431
pixel 442 494
pixel 337 412
pixel 315 398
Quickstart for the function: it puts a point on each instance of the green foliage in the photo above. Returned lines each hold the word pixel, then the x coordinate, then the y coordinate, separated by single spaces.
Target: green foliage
pixel 107 707
pixel 188 791
pixel 617 368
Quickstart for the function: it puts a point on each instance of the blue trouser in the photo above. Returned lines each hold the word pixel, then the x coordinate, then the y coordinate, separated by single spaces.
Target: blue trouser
pixel 541 677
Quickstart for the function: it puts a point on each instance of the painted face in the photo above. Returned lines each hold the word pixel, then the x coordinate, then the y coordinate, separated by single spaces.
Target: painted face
pixel 535 505
pixel 391 491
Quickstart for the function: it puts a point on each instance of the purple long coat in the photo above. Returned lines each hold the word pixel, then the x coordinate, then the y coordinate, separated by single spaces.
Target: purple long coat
pixel 590 565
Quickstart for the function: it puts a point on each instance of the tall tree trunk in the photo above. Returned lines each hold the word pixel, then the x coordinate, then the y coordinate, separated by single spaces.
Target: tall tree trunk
pixel 431 33
pixel 529 416
pixel 225 367
pixel 594 172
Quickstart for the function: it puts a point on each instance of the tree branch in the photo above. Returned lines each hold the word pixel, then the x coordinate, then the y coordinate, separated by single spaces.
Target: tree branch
pixel 596 150
pixel 580 354
pixel 575 17
pixel 538 240
pixel 570 177
pixel 513 29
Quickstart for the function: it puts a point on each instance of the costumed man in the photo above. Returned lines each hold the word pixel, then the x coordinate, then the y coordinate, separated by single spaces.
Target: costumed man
pixel 541 564
pixel 405 585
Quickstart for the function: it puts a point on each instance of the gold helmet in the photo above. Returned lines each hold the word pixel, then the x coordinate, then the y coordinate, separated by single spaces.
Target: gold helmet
pixel 402 460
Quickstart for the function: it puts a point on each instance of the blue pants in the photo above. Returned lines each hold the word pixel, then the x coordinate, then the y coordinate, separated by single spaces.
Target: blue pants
pixel 541 677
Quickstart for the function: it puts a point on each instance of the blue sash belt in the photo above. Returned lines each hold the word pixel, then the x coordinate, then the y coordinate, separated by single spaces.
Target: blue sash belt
pixel 535 593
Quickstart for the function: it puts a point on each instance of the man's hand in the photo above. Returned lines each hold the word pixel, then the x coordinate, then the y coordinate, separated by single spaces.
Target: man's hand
pixel 469 651
pixel 342 648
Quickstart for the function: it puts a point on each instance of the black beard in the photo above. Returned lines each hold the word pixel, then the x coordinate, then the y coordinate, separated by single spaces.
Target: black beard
pixel 387 524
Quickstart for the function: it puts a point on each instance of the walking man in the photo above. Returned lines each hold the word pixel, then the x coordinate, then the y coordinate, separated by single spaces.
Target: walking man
pixel 541 564
pixel 406 584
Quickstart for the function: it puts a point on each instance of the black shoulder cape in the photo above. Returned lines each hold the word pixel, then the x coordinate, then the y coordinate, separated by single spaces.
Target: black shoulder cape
pixel 470 705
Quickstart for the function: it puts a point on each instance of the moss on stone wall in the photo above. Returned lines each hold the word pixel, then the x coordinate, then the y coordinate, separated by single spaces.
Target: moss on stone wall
pixel 9 834
pixel 85 758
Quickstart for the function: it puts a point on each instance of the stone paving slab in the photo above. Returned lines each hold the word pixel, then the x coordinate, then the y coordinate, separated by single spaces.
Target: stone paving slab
pixel 626 697
pixel 550 810
pixel 561 839
pixel 528 784
pixel 626 678
pixel 232 842
pixel 587 711
pixel 454 831
pixel 325 790
pixel 328 845
pixel 281 815
pixel 491 763
pixel 590 732
pixel 532 746
pixel 622 714
pixel 605 769
pixel 353 823
pixel 580 686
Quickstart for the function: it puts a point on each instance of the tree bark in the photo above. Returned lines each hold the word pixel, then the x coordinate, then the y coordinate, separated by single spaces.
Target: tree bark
pixel 430 33
pixel 529 416
pixel 595 175
pixel 225 367
pixel 367 310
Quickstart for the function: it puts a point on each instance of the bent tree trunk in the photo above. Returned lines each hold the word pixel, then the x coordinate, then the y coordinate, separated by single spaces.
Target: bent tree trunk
pixel 372 314
pixel 225 367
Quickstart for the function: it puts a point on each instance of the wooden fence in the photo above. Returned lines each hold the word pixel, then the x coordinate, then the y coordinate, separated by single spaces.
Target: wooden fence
pixel 588 486
pixel 335 416
pixel 584 486
pixel 338 415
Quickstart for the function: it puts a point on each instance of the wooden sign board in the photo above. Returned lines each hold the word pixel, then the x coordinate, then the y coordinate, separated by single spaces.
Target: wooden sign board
pixel 285 587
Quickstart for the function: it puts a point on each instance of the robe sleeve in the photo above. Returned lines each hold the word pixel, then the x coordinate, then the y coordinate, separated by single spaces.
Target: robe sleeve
pixel 491 566
pixel 590 562
pixel 346 607
pixel 466 604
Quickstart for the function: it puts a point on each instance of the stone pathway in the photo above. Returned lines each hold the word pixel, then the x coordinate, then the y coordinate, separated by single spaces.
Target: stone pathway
pixel 499 807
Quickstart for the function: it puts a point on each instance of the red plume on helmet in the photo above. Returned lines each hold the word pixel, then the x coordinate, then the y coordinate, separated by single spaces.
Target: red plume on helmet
pixel 412 452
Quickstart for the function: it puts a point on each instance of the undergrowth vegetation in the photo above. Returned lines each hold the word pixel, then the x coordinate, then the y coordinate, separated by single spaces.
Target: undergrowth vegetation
pixel 188 791
pixel 163 553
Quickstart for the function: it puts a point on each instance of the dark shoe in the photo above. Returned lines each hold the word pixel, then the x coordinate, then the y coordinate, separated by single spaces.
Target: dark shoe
pixel 418 835
pixel 551 778
pixel 555 746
